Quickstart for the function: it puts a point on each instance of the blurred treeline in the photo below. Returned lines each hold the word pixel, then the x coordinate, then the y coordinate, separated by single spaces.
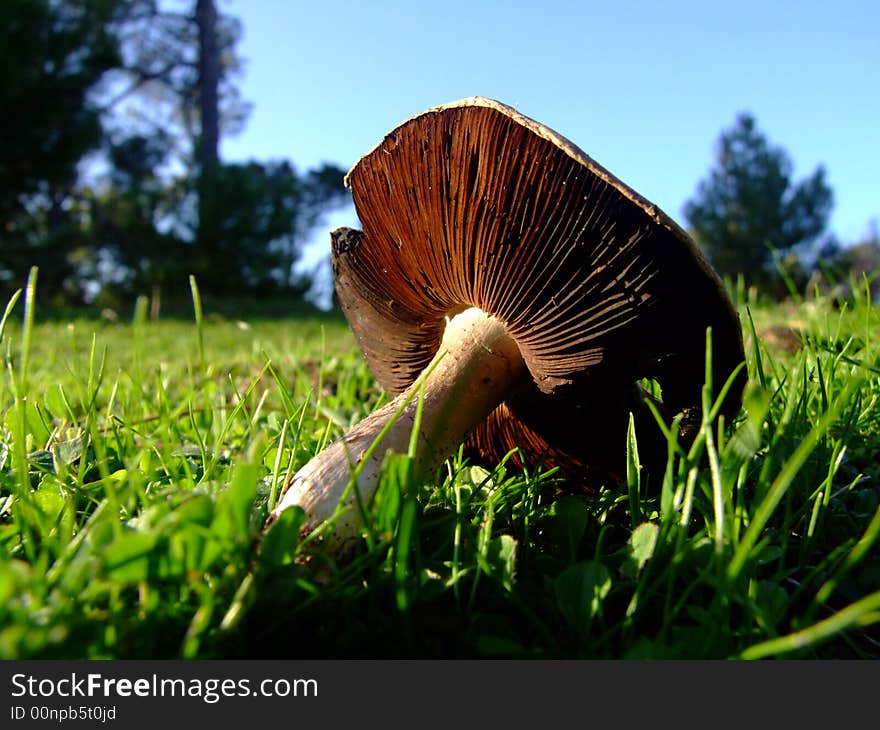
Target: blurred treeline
pixel 111 180
pixel 761 227
pixel 112 184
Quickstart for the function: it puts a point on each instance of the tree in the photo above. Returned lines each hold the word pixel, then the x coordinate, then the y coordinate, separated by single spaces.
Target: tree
pixel 264 211
pixel 748 207
pixel 179 74
pixel 110 173
pixel 53 55
pixel 129 252
pixel 233 225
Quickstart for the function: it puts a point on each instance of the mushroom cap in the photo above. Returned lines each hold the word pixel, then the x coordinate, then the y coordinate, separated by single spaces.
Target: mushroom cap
pixel 473 204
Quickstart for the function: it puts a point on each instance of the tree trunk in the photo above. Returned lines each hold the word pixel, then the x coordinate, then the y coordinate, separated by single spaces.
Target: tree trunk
pixel 209 83
pixel 208 148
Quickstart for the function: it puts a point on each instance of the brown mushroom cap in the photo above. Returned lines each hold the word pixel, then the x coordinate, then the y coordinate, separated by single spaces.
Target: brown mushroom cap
pixel 472 204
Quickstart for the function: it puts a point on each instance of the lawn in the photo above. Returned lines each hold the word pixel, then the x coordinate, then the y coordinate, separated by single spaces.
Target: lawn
pixel 139 460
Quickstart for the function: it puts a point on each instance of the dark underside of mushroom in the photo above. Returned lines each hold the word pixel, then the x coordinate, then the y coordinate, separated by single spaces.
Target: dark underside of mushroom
pixel 476 206
pixel 582 437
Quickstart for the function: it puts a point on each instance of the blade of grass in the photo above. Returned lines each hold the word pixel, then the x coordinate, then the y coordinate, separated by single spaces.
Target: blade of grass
pixel 200 321
pixel 633 474
pixel 864 612
pixel 858 552
pixel 10 306
pixel 27 330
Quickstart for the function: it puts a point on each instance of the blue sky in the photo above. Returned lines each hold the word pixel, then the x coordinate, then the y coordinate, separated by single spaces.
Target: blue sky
pixel 645 88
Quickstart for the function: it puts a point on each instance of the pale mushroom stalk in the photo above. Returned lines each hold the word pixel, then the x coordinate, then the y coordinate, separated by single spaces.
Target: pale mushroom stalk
pixel 476 367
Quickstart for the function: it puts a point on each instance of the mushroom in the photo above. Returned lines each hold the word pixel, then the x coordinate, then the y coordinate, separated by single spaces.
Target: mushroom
pixel 519 292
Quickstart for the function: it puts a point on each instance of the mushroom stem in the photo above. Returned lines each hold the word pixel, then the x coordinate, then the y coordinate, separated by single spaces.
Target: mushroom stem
pixel 475 368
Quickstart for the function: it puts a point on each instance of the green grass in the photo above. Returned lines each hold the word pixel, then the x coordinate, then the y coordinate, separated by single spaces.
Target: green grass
pixel 139 460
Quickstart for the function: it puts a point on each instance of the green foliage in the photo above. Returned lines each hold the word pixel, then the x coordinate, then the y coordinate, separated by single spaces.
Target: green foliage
pixel 50 52
pixel 124 216
pixel 749 207
pixel 53 54
pixel 139 460
pixel 264 211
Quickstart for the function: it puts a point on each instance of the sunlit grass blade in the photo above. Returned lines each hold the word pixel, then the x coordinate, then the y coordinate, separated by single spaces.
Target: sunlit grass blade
pixel 200 321
pixel 864 612
pixel 633 473
pixel 853 558
pixel 10 306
